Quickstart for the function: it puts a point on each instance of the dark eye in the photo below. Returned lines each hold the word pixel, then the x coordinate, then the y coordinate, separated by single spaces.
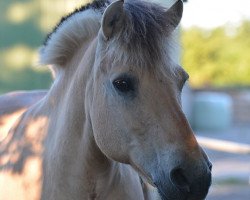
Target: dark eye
pixel 124 85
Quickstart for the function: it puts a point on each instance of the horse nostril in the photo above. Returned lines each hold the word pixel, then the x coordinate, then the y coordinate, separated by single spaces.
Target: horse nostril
pixel 210 166
pixel 178 178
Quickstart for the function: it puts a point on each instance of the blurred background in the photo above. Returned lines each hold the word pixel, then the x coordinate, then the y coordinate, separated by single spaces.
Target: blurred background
pixel 214 50
pixel 24 25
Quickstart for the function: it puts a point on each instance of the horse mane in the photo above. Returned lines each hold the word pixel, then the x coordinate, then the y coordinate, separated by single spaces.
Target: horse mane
pixel 139 42
pixel 145 39
pixel 70 32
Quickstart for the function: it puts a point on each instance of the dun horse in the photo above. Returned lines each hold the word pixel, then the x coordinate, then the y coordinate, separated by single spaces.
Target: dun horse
pixel 112 119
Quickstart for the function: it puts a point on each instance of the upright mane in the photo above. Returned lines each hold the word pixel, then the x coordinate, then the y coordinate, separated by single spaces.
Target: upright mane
pixel 71 31
pixel 144 33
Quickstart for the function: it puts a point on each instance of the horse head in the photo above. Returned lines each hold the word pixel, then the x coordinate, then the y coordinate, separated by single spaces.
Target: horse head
pixel 135 107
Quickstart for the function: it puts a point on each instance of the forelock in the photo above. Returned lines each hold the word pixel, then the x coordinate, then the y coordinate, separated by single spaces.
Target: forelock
pixel 143 38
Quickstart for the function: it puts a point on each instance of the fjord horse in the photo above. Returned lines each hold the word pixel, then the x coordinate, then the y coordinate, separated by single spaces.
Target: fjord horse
pixel 112 119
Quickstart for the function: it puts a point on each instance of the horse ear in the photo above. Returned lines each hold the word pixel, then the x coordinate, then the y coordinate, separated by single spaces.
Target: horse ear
pixel 112 18
pixel 174 15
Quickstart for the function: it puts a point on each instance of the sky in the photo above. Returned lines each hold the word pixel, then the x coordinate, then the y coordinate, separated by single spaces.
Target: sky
pixel 213 13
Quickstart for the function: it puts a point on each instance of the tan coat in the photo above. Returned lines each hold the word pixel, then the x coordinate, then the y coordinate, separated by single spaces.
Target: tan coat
pixel 112 120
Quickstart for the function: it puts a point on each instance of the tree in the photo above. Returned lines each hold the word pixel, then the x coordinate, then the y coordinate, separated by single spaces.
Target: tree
pixel 218 57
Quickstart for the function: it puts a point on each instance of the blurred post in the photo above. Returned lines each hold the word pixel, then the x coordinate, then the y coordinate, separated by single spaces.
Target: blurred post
pixel 222 145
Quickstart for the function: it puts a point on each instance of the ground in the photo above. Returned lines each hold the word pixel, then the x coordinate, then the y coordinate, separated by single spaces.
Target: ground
pixel 231 172
pixel 229 192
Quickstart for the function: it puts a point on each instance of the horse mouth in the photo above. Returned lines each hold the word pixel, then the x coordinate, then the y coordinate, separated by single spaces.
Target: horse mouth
pixel 165 195
pixel 177 195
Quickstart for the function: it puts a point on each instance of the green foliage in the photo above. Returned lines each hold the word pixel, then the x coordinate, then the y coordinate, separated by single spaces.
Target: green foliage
pixel 24 79
pixel 216 58
pixel 219 57
pixel 23 28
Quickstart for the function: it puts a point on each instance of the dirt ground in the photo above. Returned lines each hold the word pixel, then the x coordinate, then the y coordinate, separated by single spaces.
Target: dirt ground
pixel 229 192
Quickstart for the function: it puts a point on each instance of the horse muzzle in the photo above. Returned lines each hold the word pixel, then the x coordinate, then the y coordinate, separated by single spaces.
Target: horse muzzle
pixel 180 184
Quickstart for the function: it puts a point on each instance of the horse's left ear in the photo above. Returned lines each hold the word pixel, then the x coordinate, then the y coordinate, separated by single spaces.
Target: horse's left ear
pixel 173 15
pixel 112 19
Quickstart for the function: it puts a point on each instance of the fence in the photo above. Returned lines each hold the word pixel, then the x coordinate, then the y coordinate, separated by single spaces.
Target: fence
pixel 222 145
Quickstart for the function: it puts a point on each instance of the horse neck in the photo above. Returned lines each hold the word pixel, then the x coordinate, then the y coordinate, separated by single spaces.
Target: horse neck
pixel 70 134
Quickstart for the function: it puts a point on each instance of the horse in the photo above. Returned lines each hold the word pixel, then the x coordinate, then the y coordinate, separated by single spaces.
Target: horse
pixel 13 105
pixel 111 124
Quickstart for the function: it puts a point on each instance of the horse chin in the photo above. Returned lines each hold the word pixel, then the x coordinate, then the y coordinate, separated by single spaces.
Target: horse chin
pixel 168 192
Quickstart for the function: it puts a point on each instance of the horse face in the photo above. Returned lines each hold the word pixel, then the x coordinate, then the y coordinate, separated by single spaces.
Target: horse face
pixel 137 119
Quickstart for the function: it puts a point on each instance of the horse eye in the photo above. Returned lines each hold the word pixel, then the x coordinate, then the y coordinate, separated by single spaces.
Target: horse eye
pixel 123 85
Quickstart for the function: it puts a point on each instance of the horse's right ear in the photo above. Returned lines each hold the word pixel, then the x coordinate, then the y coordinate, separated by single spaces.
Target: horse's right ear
pixel 112 19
